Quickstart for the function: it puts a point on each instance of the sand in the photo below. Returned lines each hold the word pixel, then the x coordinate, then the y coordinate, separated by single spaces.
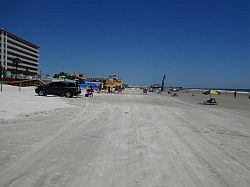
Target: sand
pixel 127 140
pixel 14 102
pixel 225 100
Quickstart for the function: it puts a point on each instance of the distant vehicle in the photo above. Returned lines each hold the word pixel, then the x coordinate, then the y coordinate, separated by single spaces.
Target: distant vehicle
pixel 63 88
pixel 174 89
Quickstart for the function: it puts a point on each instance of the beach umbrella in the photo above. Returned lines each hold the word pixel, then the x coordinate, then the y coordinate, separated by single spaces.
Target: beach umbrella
pixel 48 76
pixel 63 77
pixel 211 92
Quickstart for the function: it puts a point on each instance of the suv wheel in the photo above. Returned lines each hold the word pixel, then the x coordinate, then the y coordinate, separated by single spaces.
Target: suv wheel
pixel 68 94
pixel 41 93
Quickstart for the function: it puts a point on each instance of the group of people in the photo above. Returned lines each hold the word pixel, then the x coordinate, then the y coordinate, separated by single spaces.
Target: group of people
pixel 115 90
pixel 90 92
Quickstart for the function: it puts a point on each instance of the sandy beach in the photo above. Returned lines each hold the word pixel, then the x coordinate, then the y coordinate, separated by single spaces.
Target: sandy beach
pixel 124 140
pixel 225 100
pixel 16 102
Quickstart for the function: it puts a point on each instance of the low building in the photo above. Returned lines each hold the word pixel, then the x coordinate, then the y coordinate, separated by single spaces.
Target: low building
pixel 111 82
pixel 14 47
pixel 96 79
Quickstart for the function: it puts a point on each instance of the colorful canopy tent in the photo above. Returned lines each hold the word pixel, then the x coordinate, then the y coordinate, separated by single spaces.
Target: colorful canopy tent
pixel 63 77
pixel 8 74
pixel 112 83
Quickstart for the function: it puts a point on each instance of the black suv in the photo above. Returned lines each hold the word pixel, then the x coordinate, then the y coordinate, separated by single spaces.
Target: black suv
pixel 64 88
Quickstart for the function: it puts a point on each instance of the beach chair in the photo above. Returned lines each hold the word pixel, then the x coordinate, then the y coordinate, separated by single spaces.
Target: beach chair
pixel 211 101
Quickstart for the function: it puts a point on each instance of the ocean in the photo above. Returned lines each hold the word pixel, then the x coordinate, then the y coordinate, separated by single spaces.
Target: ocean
pixel 240 90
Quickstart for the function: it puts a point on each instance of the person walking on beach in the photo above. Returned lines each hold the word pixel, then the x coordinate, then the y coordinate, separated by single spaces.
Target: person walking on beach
pixel 116 90
pixel 235 94
pixel 120 90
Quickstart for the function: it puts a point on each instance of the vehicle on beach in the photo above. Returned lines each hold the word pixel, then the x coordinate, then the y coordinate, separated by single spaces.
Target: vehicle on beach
pixel 63 88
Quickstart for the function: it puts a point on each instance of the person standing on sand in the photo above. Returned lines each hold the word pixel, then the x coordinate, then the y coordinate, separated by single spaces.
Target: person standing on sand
pixel 116 90
pixel 235 94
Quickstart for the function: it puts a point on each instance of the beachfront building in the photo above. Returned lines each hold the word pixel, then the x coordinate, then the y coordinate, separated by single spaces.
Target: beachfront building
pixel 112 81
pixel 14 47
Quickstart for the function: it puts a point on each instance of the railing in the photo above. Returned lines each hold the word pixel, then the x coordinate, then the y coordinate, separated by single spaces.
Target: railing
pixel 20 43
pixel 23 49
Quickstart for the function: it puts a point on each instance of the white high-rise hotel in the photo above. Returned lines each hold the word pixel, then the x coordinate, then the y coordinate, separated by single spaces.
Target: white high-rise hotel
pixel 11 47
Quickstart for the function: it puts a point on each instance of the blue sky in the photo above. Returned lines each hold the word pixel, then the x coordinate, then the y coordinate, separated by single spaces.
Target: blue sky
pixel 196 43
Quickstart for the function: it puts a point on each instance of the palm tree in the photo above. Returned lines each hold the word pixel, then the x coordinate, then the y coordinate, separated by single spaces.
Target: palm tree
pixel 16 62
pixel 1 70
pixel 27 71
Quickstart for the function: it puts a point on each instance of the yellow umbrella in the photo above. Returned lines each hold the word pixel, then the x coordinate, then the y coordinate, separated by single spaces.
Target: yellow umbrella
pixel 211 92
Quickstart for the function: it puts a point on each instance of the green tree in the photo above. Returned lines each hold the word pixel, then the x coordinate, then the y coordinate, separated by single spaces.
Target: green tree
pixel 16 62
pixel 27 71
